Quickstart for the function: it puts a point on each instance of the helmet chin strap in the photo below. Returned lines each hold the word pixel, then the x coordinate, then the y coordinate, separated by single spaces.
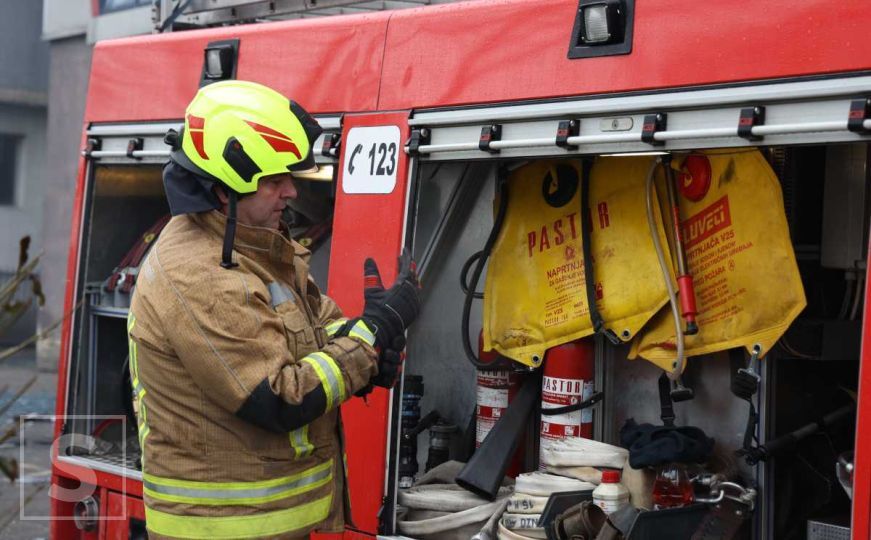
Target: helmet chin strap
pixel 229 231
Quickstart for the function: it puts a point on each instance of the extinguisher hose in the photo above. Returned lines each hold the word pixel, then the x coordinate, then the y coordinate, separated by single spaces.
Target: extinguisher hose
pixel 589 402
pixel 502 187
pixel 678 367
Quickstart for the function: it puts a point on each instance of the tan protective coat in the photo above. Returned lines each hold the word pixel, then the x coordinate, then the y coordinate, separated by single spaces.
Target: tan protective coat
pixel 535 294
pixel 202 338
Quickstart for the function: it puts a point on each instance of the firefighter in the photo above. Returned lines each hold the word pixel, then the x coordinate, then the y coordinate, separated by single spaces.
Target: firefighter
pixel 239 363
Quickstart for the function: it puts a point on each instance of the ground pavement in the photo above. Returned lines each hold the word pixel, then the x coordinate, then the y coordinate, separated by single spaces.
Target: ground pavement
pixel 28 496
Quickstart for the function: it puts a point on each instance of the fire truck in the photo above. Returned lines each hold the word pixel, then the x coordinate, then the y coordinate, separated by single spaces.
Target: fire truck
pixel 422 108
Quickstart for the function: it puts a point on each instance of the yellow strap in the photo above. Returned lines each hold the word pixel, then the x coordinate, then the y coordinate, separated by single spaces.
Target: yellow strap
pixel 362 332
pixel 231 497
pixel 142 425
pixel 264 524
pixel 299 440
pixel 334 326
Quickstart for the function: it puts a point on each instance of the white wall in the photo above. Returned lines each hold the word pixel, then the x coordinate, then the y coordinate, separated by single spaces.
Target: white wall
pixel 25 217
pixel 65 18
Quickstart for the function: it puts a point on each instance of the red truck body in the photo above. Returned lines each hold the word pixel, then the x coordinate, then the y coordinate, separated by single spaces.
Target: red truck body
pixel 378 69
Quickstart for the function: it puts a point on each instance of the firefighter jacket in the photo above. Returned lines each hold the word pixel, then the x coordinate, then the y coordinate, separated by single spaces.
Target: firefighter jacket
pixel 238 384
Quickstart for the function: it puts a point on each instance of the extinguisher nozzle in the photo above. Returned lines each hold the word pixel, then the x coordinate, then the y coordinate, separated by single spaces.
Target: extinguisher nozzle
pixel 681 393
pixel 692 328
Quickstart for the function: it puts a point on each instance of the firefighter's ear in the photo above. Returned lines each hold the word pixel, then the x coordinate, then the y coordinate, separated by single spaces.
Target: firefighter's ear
pixel 221 194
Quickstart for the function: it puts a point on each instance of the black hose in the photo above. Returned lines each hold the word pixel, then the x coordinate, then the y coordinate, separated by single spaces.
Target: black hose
pixel 464 274
pixel 476 275
pixel 785 442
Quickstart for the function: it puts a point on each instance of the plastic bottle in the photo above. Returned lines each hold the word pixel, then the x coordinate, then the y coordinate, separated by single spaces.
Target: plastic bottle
pixel 610 495
pixel 672 487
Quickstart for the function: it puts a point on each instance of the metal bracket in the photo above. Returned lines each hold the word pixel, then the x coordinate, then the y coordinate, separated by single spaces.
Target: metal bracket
pixel 133 145
pixel 332 144
pixel 489 134
pixel 860 110
pixel 93 144
pixel 566 129
pixel 749 117
pixel 721 489
pixel 419 137
pixel 652 124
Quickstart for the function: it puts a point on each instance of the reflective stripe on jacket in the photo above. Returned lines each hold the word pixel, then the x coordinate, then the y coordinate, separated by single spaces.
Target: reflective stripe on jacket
pixel 238 383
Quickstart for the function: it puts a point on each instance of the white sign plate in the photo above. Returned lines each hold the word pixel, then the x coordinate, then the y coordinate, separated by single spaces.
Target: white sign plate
pixel 371 158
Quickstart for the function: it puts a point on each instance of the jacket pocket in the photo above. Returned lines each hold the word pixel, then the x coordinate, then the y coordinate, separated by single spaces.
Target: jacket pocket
pixel 298 329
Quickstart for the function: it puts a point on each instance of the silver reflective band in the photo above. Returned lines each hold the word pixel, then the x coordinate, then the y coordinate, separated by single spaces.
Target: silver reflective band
pixel 224 493
pixel 330 370
pixel 361 330
pixel 279 294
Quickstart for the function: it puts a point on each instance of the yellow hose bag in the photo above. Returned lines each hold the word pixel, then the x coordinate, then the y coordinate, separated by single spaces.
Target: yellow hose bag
pixel 535 293
pixel 747 284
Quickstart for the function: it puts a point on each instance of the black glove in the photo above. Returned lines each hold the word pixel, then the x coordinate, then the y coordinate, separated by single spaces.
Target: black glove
pixel 390 364
pixel 389 369
pixel 389 312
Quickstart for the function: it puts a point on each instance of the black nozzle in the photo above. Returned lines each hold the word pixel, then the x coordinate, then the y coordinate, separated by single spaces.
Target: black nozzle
pixel 484 472
pixel 681 393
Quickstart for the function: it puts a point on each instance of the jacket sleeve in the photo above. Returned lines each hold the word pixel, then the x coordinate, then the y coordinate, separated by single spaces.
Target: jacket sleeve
pixel 330 316
pixel 227 335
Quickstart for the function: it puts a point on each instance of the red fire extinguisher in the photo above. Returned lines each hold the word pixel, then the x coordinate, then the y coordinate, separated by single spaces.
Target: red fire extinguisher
pixel 569 379
pixel 495 390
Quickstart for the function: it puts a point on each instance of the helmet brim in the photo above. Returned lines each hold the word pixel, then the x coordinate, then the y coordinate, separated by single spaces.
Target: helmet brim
pixel 323 173
pixel 306 165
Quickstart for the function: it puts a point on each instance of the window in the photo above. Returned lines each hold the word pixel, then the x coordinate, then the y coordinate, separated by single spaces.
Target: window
pixel 108 6
pixel 9 145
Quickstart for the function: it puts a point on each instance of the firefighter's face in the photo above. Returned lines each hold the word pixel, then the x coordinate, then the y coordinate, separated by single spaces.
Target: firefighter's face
pixel 263 207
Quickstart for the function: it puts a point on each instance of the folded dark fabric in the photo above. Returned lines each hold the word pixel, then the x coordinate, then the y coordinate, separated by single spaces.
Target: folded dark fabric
pixel 651 445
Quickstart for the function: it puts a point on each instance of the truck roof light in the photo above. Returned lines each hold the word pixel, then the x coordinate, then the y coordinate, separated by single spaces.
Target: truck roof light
pixel 596 27
pixel 219 62
pixel 602 28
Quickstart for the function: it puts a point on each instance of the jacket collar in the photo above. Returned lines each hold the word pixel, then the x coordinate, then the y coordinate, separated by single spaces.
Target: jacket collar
pixel 256 242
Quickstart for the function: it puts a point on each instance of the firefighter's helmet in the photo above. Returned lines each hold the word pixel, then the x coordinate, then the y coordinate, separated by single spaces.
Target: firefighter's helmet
pixel 236 132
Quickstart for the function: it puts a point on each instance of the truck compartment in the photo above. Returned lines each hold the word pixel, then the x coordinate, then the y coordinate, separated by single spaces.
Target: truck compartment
pixel 811 372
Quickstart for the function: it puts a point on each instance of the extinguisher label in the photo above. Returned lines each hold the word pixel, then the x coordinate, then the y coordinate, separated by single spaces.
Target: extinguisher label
pixel 560 391
pixel 557 392
pixel 493 395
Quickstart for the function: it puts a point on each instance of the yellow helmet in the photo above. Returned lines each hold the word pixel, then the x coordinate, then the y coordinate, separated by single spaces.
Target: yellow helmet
pixel 236 132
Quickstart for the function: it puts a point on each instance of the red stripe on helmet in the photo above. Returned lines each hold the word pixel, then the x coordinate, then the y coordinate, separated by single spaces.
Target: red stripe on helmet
pixel 278 141
pixel 282 145
pixel 199 144
pixel 370 282
pixel 195 122
pixel 267 131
